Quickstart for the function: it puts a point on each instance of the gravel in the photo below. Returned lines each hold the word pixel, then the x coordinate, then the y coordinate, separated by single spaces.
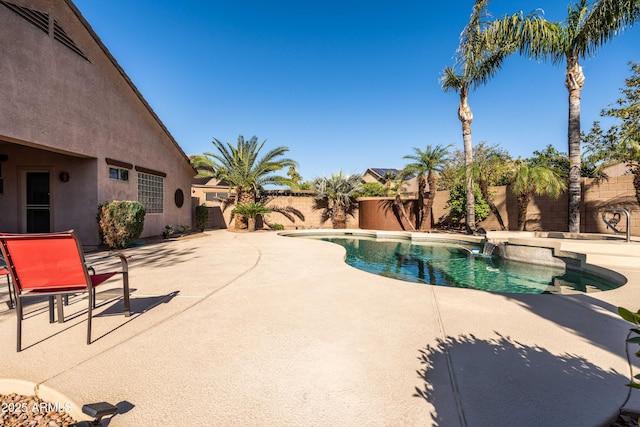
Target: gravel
pixel 29 411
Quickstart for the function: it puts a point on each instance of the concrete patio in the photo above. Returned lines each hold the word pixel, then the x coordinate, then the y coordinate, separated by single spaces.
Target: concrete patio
pixel 235 329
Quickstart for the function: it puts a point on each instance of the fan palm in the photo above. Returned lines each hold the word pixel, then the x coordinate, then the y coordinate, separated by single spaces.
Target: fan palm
pixel 338 192
pixel 478 59
pixel 578 37
pixel 424 165
pixel 538 179
pixel 242 168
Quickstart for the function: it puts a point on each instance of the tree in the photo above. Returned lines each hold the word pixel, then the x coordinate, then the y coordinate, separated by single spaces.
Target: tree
pixel 425 164
pixel 529 179
pixel 337 193
pixel 243 170
pixel 490 166
pixel 251 211
pixel 478 59
pixel 584 31
pixel 621 143
pixel 389 177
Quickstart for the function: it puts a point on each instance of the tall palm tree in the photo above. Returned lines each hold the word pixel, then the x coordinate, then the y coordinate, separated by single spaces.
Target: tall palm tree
pixel 538 179
pixel 425 164
pixel 585 30
pixel 242 168
pixel 338 192
pixel 478 59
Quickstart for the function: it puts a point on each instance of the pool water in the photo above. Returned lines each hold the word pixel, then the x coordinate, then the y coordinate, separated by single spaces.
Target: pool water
pixel 456 265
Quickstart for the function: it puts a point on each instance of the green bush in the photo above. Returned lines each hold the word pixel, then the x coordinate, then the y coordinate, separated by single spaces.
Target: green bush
pixel 276 226
pixel 120 222
pixel 202 217
pixel 370 189
pixel 457 203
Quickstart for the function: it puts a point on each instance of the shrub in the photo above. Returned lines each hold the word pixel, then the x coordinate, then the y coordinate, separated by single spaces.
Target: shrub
pixel 457 203
pixel 120 222
pixel 276 226
pixel 202 217
pixel 167 231
pixel 184 229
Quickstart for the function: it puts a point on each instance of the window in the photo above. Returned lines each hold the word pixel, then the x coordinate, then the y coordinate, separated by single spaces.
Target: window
pixel 119 174
pixel 151 192
pixel 211 197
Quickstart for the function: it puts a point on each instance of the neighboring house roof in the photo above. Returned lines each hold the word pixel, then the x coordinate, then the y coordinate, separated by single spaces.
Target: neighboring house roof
pixel 93 34
pixel 379 173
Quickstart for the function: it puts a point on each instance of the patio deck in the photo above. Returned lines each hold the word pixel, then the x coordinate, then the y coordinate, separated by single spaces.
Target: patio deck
pixel 259 329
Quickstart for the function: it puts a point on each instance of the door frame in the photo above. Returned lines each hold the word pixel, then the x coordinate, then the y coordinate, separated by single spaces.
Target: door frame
pixel 23 195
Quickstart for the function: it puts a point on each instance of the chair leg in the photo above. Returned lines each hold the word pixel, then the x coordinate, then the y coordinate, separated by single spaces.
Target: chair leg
pixel 11 303
pixel 19 323
pixel 91 291
pixel 127 303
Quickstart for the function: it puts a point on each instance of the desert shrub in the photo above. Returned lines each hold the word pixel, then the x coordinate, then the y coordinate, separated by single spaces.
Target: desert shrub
pixel 167 231
pixel 458 202
pixel 202 217
pixel 276 226
pixel 120 222
pixel 184 229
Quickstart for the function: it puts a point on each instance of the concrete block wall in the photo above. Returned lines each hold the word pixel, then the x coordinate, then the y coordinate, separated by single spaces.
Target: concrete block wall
pixel 551 215
pixel 544 214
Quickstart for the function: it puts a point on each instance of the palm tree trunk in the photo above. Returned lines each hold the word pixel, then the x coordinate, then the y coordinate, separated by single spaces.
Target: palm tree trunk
pixel 484 189
pixel 243 198
pixel 466 117
pixel 422 186
pixel 251 224
pixel 523 205
pixel 636 182
pixel 432 195
pixel 574 83
pixel 339 216
pixel 400 206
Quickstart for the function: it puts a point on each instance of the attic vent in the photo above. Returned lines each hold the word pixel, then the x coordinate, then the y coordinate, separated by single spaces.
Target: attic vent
pixel 39 19
pixel 60 35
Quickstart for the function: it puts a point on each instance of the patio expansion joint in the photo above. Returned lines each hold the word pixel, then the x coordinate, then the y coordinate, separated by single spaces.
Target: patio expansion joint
pixel 452 376
pixel 161 322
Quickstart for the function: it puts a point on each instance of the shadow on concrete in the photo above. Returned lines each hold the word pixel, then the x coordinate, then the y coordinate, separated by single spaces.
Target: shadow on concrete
pixel 501 382
pixel 594 320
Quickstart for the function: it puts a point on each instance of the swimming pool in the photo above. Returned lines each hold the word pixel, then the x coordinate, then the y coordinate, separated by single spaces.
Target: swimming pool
pixel 460 265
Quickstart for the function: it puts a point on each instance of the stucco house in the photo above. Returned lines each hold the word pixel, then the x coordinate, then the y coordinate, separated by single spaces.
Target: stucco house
pixel 75 131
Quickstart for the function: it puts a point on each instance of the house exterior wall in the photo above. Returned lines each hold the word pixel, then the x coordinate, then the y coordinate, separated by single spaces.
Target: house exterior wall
pixel 55 101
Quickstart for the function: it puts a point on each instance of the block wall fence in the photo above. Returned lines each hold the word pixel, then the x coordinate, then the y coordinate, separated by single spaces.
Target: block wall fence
pixel 544 214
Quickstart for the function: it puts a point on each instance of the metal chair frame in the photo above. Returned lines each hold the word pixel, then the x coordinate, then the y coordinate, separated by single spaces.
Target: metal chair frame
pixel 48 281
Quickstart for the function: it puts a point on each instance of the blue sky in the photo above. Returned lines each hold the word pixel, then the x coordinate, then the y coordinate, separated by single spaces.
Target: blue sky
pixel 346 85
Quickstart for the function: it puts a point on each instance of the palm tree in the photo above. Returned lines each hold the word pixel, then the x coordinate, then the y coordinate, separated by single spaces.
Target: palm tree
pixel 251 211
pixel 337 191
pixel 478 58
pixel 578 37
pixel 243 170
pixel 424 164
pixel 530 179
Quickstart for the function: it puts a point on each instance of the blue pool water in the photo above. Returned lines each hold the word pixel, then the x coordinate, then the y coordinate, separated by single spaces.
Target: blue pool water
pixel 456 265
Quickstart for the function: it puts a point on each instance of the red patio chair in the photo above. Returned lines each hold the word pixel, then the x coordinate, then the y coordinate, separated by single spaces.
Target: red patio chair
pixel 5 272
pixel 50 264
